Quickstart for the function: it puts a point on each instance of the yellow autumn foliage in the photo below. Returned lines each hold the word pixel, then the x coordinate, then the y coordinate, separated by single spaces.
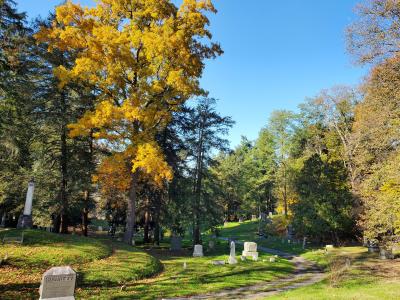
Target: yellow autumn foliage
pixel 143 59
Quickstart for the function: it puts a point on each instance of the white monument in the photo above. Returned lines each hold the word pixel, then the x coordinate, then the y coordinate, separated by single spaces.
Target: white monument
pixel 25 220
pixel 198 251
pixel 58 283
pixel 250 249
pixel 232 256
pixel 304 242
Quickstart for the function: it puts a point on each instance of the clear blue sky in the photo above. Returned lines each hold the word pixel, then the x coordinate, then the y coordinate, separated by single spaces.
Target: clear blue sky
pixel 277 53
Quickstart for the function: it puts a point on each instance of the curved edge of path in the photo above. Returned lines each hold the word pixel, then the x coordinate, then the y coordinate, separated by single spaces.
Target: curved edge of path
pixel 306 273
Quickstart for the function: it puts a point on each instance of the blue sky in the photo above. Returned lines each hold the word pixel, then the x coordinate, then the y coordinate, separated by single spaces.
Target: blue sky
pixel 277 53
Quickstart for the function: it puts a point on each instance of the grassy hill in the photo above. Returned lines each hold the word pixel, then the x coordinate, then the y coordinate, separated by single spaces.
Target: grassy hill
pixel 97 261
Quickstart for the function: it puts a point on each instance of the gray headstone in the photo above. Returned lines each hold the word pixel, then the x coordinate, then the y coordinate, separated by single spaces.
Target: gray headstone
pixel 198 251
pixel 211 245
pixel 58 283
pixel 176 243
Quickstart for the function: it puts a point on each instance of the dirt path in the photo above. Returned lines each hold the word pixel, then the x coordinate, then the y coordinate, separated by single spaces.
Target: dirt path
pixel 306 273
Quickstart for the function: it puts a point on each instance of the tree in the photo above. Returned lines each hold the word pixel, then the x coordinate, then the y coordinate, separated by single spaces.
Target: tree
pixel 144 59
pixel 17 105
pixel 324 208
pixel 207 128
pixel 375 36
pixel 282 126
pixel 331 114
pixel 375 131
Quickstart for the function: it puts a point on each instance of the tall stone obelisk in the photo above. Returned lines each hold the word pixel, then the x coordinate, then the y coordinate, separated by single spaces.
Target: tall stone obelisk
pixel 25 220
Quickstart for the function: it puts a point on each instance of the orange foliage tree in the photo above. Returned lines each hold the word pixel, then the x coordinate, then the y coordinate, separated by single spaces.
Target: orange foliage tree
pixel 144 59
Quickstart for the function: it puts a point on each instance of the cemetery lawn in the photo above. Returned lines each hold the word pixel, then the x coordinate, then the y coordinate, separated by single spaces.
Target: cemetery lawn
pixel 97 261
pixel 367 277
pixel 200 277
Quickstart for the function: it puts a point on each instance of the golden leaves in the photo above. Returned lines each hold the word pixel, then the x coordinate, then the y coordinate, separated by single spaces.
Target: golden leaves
pixel 144 58
pixel 150 160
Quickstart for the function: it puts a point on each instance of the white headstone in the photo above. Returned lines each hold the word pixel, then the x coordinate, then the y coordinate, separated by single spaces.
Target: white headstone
pixel 198 251
pixel 304 242
pixel 272 259
pixel 58 283
pixel 250 249
pixel 328 247
pixel 250 246
pixel 232 256
pixel 29 199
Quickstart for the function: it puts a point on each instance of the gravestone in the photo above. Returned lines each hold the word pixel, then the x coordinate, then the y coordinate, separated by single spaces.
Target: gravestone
pixel 290 232
pixel 198 251
pixel 58 283
pixel 304 242
pixel 218 262
pixel 270 214
pixel 3 220
pixel 328 247
pixel 211 245
pixel 176 243
pixel 232 256
pixel 25 219
pixel 250 249
pixel 385 253
pixel 253 217
pixel 272 259
pixel 240 220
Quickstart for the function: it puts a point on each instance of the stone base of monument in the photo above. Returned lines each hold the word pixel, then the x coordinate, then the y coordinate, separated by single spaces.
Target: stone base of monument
pixel 232 260
pixel 25 221
pixel 252 254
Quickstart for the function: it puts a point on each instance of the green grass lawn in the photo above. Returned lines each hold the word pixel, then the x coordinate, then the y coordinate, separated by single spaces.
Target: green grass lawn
pixel 366 278
pixel 109 270
pixel 97 261
pixel 199 277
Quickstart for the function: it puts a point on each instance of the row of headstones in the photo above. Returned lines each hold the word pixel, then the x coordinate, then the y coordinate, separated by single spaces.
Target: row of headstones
pixel 250 250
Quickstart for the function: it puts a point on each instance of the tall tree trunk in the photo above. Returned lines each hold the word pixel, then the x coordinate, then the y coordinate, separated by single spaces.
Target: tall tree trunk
pixel 85 213
pixel 285 190
pixel 197 189
pixel 130 216
pixel 157 201
pixel 146 238
pixel 64 171
pixel 86 200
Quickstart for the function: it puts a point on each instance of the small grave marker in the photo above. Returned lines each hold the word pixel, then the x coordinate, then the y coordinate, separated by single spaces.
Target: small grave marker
pixel 198 251
pixel 58 283
pixel 218 262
